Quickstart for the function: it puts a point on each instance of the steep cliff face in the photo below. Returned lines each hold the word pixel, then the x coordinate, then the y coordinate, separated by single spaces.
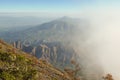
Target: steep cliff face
pixel 54 53
pixel 17 65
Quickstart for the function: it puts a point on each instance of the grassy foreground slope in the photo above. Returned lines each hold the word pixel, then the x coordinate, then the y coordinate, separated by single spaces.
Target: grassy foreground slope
pixel 17 65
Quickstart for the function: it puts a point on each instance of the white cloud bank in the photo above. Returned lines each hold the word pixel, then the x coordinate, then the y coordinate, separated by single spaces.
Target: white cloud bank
pixel 104 36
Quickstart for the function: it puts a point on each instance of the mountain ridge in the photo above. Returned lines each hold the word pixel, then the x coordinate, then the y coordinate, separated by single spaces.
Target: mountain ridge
pixel 58 29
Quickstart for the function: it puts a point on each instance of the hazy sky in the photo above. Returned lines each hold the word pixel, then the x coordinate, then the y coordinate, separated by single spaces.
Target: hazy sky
pixel 58 6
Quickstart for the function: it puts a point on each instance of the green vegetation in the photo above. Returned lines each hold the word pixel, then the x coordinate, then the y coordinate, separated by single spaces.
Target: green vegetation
pixel 17 65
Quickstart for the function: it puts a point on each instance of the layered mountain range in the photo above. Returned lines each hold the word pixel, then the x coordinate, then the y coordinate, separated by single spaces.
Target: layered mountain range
pixel 57 30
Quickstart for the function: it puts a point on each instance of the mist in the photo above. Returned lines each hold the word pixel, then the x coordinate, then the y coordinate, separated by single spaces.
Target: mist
pixel 102 39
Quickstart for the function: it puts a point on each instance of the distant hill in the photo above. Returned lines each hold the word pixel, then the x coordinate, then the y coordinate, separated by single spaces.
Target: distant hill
pixel 8 21
pixel 17 65
pixel 61 29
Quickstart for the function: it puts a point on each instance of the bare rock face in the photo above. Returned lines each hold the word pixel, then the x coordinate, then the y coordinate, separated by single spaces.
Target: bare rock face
pixel 33 51
pixel 17 44
pixel 45 52
pixel 54 53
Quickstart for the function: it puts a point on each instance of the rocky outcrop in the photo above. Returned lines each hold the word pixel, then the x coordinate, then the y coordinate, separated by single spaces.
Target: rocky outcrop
pixel 51 52
pixel 17 44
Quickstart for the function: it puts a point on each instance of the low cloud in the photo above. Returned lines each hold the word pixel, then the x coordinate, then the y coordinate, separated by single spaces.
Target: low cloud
pixel 103 38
